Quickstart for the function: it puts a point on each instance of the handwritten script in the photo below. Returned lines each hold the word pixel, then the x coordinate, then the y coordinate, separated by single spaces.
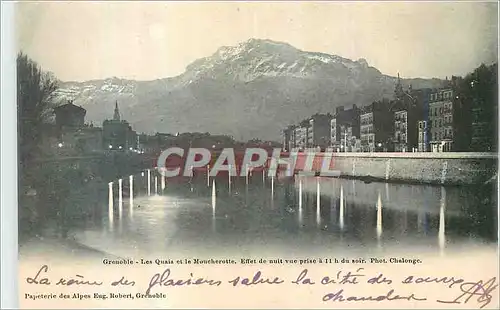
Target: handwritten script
pixel 340 285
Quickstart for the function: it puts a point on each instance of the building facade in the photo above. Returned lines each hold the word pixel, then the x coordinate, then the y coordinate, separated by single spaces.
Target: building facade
pixel 313 132
pixel 345 129
pixel 377 127
pixel 300 133
pixel 346 138
pixel 74 136
pixel 367 131
pixel 69 116
pixel 401 131
pixel 482 96
pixel 118 134
pixel 409 108
pixel 318 131
pixel 441 117
pixel 423 136
pixel 334 143
pixel 288 138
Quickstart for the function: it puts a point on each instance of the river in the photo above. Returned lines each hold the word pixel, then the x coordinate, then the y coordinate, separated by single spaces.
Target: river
pixel 259 215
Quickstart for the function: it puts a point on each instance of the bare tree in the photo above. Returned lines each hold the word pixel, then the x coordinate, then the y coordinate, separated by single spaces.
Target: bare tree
pixel 35 98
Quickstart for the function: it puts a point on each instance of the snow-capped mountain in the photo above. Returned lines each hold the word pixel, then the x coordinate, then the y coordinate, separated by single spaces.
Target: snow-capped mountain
pixel 87 91
pixel 251 90
pixel 253 59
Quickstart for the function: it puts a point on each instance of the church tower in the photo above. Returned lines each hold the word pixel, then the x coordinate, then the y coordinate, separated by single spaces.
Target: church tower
pixel 116 116
pixel 398 91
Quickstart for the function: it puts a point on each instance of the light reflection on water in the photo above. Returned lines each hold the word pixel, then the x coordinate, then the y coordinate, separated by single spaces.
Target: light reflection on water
pixel 294 213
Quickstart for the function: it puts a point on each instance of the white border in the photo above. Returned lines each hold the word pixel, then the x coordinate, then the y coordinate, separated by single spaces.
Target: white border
pixel 8 162
pixel 8 156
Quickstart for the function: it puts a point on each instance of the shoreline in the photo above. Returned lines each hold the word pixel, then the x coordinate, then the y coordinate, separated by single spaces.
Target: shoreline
pixel 60 246
pixel 372 179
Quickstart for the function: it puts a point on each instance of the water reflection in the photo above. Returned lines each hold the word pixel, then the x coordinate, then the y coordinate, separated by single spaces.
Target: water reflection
pixel 213 206
pixel 305 212
pixel 301 219
pixel 131 195
pixel 213 197
pixel 379 217
pixel 110 205
pixel 442 221
pixel 149 182
pixel 208 175
pixel 120 198
pixel 318 204
pixel 342 202
pixel 246 175
pixel 272 187
pixel 229 181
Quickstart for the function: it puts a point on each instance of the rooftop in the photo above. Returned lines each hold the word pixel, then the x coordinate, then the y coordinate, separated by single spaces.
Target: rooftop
pixel 69 106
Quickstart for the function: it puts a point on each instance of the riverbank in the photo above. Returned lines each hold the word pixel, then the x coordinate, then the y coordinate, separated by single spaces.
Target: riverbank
pixel 371 179
pixel 63 248
pixel 410 168
pixel 57 197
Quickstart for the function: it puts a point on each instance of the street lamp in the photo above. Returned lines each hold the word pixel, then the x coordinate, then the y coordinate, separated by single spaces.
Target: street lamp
pixel 60 144
pixel 110 146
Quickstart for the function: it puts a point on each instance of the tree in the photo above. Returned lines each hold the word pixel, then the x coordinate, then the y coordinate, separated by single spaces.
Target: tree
pixel 35 99
pixel 478 91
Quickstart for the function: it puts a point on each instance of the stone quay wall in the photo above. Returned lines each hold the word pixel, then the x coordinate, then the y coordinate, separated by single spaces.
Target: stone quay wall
pixel 427 168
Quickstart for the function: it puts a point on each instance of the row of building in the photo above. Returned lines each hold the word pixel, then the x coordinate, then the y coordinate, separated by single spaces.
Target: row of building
pixel 70 133
pixel 416 120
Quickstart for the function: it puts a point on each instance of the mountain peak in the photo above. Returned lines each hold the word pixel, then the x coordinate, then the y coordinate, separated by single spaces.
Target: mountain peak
pixel 255 42
pixel 262 84
pixel 363 62
pixel 259 47
pixel 256 58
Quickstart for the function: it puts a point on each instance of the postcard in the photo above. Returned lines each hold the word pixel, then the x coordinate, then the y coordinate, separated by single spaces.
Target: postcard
pixel 257 154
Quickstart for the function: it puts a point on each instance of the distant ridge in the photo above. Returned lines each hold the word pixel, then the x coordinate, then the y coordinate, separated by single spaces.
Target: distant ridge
pixel 251 90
